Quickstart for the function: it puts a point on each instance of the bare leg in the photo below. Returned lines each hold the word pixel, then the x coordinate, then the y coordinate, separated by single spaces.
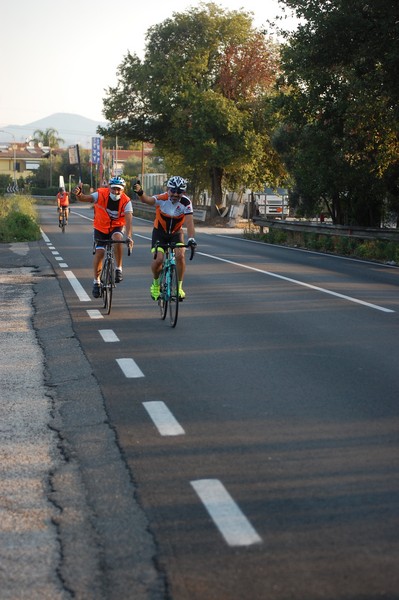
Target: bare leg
pixel 180 263
pixel 118 250
pixel 98 263
pixel 156 265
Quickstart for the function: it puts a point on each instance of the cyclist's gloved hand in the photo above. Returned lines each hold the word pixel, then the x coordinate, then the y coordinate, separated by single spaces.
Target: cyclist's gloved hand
pixel 138 189
pixel 130 243
pixel 191 242
pixel 78 190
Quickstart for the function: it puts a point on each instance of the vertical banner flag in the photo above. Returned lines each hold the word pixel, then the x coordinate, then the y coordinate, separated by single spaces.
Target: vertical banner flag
pixel 96 150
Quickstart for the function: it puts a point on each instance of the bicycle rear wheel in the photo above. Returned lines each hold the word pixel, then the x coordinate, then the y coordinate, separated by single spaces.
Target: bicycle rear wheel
pixel 174 296
pixel 163 297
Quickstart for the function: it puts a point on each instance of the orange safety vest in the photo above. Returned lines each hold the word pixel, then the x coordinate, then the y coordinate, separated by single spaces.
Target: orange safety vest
pixel 63 198
pixel 103 220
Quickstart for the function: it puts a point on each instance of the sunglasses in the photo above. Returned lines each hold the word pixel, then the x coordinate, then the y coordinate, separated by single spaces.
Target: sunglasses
pixel 176 191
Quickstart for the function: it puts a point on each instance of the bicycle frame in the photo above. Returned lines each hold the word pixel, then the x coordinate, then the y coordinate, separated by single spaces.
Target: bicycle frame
pixel 169 281
pixel 107 275
pixel 62 219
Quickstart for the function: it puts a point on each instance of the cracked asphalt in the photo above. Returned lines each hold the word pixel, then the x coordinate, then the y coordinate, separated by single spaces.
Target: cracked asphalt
pixel 70 524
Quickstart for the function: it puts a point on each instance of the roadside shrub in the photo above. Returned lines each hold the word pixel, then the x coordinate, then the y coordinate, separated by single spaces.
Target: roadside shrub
pixel 276 236
pixel 366 249
pixel 377 250
pixel 345 245
pixel 314 242
pixel 327 243
pixel 392 252
pixel 18 220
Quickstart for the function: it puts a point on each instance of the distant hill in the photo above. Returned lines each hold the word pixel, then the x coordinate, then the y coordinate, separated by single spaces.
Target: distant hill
pixel 74 129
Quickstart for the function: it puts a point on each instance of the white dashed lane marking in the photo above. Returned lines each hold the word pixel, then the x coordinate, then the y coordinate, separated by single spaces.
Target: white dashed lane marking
pixel 163 419
pixel 129 368
pixel 95 314
pixel 77 287
pixel 225 513
pixel 108 335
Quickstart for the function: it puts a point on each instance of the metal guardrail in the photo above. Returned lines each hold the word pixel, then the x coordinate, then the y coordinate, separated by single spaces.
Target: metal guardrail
pixel 328 229
pixel 199 215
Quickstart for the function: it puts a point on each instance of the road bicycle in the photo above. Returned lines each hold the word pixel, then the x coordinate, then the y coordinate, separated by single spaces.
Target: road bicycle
pixel 169 281
pixel 63 218
pixel 107 275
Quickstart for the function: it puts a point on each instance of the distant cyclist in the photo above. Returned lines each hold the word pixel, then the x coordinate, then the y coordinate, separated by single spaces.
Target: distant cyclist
pixel 172 209
pixel 113 216
pixel 62 204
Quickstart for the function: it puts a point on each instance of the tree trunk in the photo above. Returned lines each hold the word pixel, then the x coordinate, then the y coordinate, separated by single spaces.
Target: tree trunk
pixel 338 218
pixel 216 191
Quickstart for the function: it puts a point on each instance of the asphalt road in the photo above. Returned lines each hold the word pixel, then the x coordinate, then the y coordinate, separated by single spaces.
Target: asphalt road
pixel 260 436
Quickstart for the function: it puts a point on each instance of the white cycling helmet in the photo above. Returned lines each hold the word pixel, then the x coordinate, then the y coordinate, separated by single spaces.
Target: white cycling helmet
pixel 177 184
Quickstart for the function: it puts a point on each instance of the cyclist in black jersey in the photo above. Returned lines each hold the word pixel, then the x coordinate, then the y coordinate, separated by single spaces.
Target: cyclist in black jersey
pixel 172 209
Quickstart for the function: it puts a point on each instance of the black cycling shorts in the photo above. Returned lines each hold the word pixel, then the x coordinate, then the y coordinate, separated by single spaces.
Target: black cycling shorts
pixel 100 235
pixel 159 235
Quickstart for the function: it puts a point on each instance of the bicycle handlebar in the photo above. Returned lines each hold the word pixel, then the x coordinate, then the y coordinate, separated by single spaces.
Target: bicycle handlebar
pixel 110 242
pixel 173 246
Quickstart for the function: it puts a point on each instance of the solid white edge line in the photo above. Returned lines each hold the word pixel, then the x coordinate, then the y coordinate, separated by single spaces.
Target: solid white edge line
pixel 129 368
pixel 301 283
pixel 225 513
pixel 162 418
pixel 307 251
pixel 77 287
pixel 44 236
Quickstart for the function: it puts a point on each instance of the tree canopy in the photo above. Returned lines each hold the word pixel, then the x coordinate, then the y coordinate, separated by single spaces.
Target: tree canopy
pixel 338 108
pixel 199 94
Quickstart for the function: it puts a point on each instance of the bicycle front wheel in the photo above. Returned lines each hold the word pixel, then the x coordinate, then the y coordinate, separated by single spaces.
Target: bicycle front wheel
pixel 174 296
pixel 108 286
pixel 163 297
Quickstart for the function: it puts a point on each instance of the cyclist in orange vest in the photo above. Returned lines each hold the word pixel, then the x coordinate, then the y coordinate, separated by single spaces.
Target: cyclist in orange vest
pixel 62 201
pixel 113 216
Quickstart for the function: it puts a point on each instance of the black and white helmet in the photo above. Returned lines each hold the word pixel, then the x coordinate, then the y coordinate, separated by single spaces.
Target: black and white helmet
pixel 177 184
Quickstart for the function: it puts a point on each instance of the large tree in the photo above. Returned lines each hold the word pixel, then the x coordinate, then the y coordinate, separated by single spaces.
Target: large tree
pixel 197 96
pixel 339 111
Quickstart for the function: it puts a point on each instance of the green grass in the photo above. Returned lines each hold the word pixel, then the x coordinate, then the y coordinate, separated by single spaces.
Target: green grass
pixel 18 219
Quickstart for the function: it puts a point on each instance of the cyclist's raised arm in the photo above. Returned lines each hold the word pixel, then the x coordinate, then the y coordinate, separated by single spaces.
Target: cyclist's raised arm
pixel 81 196
pixel 150 200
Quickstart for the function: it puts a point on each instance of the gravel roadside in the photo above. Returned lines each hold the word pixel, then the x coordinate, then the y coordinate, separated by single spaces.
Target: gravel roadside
pixel 70 526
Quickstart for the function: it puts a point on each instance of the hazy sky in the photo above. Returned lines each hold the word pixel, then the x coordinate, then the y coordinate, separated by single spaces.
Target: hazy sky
pixel 60 55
